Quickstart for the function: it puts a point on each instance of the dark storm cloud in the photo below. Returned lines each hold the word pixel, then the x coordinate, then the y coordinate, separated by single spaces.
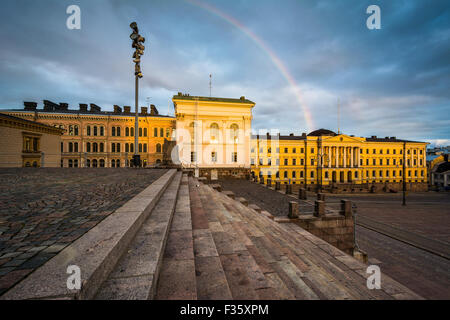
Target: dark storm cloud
pixel 393 81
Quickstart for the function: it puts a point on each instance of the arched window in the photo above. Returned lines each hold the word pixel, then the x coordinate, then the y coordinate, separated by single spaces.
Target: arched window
pixel 102 147
pixel 76 130
pixel 140 132
pixel 94 163
pixel 102 163
pixel 127 147
pixel 75 146
pixel 70 163
pixel 70 130
pixel 102 131
pixel 145 147
pixel 113 147
pixel 75 163
pixel 127 132
pixel 140 147
pixel 118 163
pixel 234 133
pixel 88 163
pixel 95 130
pixel 161 132
pixel 113 163
pixel 132 131
pixel 131 147
pixel 214 132
pixel 155 132
pixel 95 147
pixel 158 147
pixel 70 147
pixel 118 131
pixel 118 147
pixel 88 147
pixel 113 131
pixel 167 132
pixel 88 130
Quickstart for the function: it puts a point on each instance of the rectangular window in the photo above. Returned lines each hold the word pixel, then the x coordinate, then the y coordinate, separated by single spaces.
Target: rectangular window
pixel 285 162
pixel 213 156
pixel 312 150
pixel 285 150
pixel 155 132
pixel 234 156
pixel 193 158
pixel 293 174
pixel 252 161
pixel 294 150
pixel 294 162
pixel 260 161
pixel 312 162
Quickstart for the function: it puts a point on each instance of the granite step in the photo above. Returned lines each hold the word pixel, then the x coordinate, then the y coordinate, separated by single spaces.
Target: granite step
pixel 177 280
pixel 135 276
pixel 295 263
pixel 211 280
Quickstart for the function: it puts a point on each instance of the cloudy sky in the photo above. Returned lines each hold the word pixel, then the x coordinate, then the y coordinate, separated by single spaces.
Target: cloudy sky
pixel 294 59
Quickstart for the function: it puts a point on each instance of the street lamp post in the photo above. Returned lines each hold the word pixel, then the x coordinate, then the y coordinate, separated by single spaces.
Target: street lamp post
pixel 404 174
pixel 139 50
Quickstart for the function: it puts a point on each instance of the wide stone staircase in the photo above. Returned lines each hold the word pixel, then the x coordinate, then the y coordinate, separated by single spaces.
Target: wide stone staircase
pixel 181 239
pixel 226 250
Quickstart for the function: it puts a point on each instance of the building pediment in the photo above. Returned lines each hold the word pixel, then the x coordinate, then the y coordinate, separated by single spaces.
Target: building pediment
pixel 342 138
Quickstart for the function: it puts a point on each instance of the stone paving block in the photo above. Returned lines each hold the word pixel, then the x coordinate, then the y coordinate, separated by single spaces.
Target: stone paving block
pixel 132 288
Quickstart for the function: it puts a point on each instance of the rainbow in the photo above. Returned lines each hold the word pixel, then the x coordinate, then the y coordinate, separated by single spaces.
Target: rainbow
pixel 273 57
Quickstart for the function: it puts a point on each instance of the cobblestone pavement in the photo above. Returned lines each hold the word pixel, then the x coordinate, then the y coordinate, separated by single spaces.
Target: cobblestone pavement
pixel 426 214
pixel 44 210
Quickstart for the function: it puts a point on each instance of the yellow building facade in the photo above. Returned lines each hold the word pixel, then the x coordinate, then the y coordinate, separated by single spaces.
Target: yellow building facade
pixel 329 160
pixel 213 135
pixel 25 143
pixel 95 138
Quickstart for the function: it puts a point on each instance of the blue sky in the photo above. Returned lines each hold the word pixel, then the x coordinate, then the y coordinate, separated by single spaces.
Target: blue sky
pixel 391 82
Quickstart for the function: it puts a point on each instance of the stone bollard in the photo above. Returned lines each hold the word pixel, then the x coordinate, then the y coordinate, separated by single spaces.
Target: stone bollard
pixel 321 196
pixel 269 183
pixel 319 208
pixel 288 189
pixel 277 185
pixel 293 210
pixel 262 180
pixel 302 194
pixel 346 208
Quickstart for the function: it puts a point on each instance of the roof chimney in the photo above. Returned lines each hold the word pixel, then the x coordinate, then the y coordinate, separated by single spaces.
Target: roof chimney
pixel 126 109
pixel 63 106
pixel 117 109
pixel 49 106
pixel 144 110
pixel 242 98
pixel 30 105
pixel 303 135
pixel 95 108
pixel 291 134
pixel 153 110
pixel 374 137
pixel 83 107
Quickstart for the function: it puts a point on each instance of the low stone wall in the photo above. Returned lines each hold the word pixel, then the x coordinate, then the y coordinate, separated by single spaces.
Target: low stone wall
pixel 337 230
pixel 221 173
